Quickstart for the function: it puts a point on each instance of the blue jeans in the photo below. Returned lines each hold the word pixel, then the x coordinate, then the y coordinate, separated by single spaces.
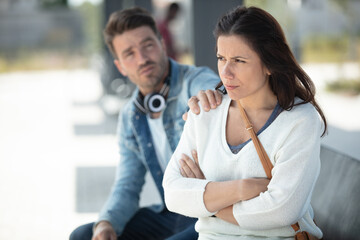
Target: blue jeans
pixel 148 225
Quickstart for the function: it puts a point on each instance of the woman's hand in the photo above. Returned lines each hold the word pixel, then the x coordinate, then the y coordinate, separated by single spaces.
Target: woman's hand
pixel 227 215
pixel 190 168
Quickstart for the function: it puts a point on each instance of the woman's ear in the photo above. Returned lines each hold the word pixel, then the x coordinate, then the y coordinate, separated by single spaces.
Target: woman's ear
pixel 267 71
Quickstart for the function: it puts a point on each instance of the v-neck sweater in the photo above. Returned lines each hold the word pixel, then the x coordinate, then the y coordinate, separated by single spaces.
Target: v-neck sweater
pixel 292 142
pixel 277 110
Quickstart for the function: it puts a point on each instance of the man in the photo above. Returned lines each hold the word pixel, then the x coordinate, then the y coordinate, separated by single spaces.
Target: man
pixel 154 112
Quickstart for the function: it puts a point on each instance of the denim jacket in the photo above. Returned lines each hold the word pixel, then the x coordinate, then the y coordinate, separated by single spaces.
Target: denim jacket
pixel 137 153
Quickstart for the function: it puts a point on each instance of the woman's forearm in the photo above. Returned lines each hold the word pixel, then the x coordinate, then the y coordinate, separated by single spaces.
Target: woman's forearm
pixel 219 195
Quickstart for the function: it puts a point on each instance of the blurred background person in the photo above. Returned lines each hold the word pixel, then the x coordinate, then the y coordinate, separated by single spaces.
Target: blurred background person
pixel 164 26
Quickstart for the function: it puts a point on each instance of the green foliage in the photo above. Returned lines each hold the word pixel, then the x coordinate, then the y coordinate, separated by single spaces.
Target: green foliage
pixel 257 3
pixel 56 52
pixel 92 16
pixel 344 86
pixel 327 49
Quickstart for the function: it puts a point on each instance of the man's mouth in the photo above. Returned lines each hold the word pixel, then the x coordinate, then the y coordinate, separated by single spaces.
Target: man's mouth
pixel 146 69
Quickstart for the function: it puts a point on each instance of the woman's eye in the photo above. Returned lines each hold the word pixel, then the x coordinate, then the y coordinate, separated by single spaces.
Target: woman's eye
pixel 239 61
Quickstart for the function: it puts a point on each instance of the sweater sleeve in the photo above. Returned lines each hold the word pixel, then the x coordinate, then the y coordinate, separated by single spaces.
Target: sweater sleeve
pixel 184 195
pixel 296 168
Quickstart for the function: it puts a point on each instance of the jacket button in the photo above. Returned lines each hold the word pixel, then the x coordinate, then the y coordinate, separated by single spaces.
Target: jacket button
pixel 137 117
pixel 149 144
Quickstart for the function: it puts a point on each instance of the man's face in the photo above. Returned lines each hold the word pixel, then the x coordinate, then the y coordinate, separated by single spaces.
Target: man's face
pixel 142 58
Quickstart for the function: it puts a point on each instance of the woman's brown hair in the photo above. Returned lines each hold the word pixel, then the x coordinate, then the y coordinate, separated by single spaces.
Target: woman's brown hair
pixel 266 37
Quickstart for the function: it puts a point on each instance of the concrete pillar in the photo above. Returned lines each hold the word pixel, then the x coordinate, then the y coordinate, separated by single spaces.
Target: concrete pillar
pixel 205 16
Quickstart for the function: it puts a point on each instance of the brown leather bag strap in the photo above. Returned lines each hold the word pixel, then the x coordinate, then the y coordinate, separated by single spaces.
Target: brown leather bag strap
pixel 296 227
pixel 264 158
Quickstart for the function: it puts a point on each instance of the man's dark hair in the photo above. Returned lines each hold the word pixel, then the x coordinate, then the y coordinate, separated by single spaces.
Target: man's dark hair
pixel 124 20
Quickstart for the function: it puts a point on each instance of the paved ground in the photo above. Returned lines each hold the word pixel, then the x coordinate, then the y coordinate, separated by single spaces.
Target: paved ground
pixel 52 130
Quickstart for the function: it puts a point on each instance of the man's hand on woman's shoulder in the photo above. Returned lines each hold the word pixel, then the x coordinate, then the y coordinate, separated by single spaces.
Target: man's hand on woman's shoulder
pixel 209 99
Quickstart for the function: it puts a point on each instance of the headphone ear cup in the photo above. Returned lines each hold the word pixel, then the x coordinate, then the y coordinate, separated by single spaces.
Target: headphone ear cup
pixel 154 102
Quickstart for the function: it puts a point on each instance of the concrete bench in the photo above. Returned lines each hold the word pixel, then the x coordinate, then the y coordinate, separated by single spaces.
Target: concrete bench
pixel 336 197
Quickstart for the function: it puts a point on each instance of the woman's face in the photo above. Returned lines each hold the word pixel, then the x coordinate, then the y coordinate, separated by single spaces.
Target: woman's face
pixel 240 68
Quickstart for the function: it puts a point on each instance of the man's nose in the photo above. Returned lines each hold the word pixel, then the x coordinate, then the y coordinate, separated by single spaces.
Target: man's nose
pixel 142 57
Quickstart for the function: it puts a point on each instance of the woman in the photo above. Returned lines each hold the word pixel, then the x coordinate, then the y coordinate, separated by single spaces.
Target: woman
pixel 226 186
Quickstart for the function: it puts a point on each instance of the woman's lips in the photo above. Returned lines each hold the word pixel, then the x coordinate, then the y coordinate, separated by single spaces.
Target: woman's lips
pixel 230 87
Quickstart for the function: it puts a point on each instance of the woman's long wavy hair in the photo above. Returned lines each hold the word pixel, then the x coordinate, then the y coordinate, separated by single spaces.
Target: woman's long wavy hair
pixel 266 37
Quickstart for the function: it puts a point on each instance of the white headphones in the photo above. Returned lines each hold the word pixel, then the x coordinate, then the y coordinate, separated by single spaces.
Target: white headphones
pixel 153 102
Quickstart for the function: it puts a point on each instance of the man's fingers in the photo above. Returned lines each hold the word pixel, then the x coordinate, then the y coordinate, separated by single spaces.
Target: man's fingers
pixel 210 94
pixel 204 101
pixel 218 97
pixel 193 104
pixel 208 99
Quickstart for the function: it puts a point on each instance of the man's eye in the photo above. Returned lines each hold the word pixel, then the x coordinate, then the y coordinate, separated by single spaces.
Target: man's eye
pixel 220 59
pixel 129 54
pixel 149 45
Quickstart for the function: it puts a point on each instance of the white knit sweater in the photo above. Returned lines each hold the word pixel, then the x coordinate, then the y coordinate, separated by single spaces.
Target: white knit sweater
pixel 292 142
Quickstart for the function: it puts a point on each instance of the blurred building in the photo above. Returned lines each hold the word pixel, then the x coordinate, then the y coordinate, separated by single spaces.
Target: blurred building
pixel 306 21
pixel 28 24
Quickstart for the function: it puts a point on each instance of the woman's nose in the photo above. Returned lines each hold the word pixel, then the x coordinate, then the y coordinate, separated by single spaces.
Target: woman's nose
pixel 226 71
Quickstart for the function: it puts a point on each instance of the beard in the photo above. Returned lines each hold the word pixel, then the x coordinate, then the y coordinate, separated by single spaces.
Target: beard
pixel 155 78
